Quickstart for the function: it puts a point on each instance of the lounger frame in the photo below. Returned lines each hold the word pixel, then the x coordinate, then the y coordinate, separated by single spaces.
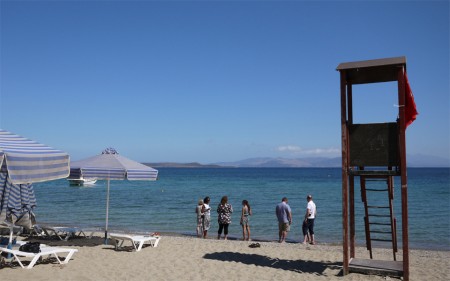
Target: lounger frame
pixel 137 241
pixel 45 251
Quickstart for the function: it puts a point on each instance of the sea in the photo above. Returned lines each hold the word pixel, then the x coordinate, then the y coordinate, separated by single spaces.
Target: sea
pixel 168 204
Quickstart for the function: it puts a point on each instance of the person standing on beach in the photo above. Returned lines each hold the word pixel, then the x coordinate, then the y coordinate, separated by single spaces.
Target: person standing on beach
pixel 199 212
pixel 224 218
pixel 245 213
pixel 284 216
pixel 206 216
pixel 308 224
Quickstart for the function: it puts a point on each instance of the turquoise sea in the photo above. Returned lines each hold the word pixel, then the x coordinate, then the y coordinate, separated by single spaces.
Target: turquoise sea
pixel 168 204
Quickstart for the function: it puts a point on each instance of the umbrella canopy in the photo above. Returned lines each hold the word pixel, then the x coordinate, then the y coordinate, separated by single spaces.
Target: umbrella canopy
pixel 111 166
pixel 27 161
pixel 22 162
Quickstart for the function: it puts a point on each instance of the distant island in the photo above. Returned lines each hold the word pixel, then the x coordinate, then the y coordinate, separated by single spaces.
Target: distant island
pixel 418 161
pixel 270 162
pixel 181 165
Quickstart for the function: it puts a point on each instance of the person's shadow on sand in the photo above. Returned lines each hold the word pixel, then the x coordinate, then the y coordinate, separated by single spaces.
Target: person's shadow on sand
pixel 300 266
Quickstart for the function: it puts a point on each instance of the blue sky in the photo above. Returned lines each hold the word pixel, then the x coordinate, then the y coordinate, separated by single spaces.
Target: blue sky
pixel 212 81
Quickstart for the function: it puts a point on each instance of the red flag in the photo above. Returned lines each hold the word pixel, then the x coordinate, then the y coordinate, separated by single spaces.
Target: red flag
pixel 410 105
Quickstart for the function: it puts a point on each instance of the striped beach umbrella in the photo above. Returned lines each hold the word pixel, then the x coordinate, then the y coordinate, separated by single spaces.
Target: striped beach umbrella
pixel 109 165
pixel 27 161
pixel 23 162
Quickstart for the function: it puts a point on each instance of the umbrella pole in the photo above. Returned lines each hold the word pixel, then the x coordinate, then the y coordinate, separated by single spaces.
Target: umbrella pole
pixel 11 230
pixel 107 213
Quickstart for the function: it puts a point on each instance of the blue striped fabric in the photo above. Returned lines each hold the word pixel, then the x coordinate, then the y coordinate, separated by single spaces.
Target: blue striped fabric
pixel 139 175
pixel 27 161
pixel 17 201
pixel 4 197
pixel 101 173
pixel 113 167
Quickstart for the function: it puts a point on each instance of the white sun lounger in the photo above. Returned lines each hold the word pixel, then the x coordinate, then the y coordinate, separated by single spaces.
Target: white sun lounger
pixel 137 240
pixel 45 251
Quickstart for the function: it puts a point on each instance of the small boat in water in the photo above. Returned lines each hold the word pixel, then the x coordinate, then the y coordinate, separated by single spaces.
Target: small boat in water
pixel 82 181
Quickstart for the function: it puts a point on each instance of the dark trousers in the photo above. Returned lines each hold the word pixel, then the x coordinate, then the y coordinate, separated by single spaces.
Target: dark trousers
pixel 308 226
pixel 223 227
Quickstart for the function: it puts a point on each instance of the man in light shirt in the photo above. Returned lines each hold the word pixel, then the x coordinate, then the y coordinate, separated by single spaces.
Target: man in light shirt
pixel 308 225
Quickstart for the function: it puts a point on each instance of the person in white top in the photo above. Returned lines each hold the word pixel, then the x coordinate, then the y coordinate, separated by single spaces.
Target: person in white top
pixel 199 212
pixel 308 225
pixel 207 216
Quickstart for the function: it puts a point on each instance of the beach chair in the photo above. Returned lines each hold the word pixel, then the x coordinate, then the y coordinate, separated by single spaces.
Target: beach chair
pixel 136 240
pixel 5 230
pixel 62 232
pixel 45 251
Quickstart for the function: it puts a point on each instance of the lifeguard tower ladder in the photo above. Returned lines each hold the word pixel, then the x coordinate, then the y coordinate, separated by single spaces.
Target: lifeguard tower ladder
pixel 375 153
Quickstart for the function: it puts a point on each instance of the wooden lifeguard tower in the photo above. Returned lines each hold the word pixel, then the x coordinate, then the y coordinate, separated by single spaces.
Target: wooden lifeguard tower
pixel 375 153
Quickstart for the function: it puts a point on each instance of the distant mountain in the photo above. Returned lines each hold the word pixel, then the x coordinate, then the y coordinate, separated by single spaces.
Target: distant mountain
pixel 181 165
pixel 267 162
pixel 422 161
pixel 321 162
pixel 425 161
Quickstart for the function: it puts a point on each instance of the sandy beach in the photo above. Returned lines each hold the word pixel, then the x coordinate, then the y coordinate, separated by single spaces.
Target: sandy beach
pixel 189 258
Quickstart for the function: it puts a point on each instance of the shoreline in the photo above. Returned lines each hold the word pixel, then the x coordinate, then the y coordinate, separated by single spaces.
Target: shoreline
pixel 190 258
pixel 444 248
pixel 99 232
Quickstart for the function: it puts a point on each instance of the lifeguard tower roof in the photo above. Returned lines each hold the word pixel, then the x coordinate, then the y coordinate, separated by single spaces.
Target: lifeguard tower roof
pixel 372 71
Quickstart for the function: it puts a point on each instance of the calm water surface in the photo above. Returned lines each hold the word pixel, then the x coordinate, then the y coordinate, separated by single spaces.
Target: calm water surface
pixel 168 205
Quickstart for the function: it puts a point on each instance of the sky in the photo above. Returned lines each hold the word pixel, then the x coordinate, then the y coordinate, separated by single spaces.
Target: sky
pixel 213 81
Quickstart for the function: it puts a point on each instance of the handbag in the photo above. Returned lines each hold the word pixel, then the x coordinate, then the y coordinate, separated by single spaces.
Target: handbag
pixel 31 247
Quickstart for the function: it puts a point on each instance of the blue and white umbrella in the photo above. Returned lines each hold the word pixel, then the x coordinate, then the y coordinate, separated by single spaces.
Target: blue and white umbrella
pixel 28 161
pixel 22 162
pixel 111 166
